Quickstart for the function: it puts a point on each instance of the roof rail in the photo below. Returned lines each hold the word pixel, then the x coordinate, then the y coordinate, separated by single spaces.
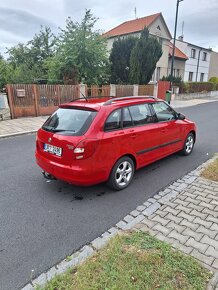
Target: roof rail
pixel 87 98
pixel 109 102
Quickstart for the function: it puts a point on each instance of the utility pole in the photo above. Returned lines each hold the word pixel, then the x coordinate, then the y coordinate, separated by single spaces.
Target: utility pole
pixel 174 43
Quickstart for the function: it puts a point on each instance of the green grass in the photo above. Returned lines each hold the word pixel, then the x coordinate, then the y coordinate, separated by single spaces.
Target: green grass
pixel 134 261
pixel 211 172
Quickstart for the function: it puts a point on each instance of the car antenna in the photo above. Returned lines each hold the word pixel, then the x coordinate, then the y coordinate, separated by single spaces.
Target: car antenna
pixel 83 95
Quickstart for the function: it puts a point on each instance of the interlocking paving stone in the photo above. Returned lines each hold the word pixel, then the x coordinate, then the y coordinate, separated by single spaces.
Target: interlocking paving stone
pixel 190 233
pixel 177 236
pixel 206 224
pixel 212 252
pixel 207 240
pixel 197 245
pixel 203 258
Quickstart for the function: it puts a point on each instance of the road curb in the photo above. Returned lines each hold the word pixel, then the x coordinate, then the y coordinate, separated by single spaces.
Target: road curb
pixel 148 208
pixel 17 134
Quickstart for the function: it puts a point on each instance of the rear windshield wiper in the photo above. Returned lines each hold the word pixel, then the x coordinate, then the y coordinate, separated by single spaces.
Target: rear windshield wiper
pixel 57 130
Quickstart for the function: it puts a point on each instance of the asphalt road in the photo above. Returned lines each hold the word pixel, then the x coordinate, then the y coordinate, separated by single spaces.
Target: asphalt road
pixel 43 222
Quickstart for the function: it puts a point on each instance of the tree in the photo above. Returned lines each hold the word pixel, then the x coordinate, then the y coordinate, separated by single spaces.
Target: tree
pixel 81 53
pixel 27 61
pixel 144 57
pixel 120 59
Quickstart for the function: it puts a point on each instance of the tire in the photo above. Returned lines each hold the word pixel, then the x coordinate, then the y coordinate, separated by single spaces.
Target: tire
pixel 188 145
pixel 121 174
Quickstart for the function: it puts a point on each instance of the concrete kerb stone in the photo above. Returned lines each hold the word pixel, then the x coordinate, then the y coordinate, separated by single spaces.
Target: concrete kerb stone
pixel 146 210
pixel 17 134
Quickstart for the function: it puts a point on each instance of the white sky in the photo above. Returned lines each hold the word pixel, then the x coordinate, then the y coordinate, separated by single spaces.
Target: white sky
pixel 21 19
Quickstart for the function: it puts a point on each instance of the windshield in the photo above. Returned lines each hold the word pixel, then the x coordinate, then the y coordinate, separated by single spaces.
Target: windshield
pixel 70 121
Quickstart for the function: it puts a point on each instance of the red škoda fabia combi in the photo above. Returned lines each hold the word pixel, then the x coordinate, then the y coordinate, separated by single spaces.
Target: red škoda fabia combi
pixel 94 140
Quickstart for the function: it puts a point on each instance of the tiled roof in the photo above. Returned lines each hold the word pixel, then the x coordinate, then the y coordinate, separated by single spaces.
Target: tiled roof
pixel 178 53
pixel 132 26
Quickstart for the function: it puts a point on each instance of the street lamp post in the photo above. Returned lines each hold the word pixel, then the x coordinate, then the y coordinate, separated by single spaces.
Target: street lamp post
pixel 174 43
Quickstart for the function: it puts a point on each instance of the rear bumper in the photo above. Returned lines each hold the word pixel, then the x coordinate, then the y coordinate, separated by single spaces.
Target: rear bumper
pixel 76 174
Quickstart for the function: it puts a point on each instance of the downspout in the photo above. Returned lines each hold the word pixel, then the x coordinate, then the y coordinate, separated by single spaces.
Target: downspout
pixel 199 54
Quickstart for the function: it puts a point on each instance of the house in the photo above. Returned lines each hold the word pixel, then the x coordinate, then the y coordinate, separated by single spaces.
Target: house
pixel 180 59
pixel 157 27
pixel 213 69
pixel 198 63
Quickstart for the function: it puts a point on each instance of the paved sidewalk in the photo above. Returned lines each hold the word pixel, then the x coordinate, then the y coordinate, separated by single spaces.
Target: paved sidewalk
pixel 20 126
pixel 185 214
pixel 188 103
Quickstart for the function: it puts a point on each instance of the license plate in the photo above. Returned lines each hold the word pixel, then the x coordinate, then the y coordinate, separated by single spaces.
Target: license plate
pixel 53 149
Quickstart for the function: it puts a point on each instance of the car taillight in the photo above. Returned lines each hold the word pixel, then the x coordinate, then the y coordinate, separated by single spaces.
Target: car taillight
pixel 85 148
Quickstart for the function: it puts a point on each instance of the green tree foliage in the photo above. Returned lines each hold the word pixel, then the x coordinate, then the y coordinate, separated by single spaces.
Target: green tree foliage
pixel 3 72
pixel 81 53
pixel 144 57
pixel 26 62
pixel 120 59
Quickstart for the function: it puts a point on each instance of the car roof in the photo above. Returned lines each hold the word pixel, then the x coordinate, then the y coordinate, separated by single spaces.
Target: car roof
pixel 95 103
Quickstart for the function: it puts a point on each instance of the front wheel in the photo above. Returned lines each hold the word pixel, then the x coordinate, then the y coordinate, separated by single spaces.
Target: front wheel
pixel 122 173
pixel 188 145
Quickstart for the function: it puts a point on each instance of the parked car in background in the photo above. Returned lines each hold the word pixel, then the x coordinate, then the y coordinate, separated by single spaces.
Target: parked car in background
pixel 94 140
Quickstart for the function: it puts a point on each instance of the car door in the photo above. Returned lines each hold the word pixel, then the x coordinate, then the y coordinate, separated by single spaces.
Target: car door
pixel 170 128
pixel 141 133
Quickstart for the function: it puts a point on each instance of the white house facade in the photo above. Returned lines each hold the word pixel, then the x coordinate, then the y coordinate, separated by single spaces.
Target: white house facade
pixel 198 63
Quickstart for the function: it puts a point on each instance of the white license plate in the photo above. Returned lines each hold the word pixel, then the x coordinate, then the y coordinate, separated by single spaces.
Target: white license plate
pixel 53 149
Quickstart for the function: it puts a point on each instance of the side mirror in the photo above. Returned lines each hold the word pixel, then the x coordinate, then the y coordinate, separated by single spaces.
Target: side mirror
pixel 181 116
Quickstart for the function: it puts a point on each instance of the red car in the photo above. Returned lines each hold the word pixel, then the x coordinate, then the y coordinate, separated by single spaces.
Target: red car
pixel 94 140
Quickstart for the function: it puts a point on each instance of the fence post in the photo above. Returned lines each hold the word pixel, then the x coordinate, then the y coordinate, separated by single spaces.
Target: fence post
pixel 155 90
pixel 36 99
pixel 59 94
pixel 112 90
pixel 82 90
pixel 135 90
pixel 10 100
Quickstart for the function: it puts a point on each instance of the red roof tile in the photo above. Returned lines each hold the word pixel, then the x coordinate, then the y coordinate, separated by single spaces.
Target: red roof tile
pixel 132 26
pixel 178 53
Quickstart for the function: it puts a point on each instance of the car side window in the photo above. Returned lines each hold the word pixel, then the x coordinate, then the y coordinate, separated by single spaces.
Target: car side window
pixel 113 122
pixel 127 119
pixel 163 112
pixel 141 114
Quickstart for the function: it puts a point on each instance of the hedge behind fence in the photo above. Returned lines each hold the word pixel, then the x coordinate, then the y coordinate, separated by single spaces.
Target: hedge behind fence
pixel 197 87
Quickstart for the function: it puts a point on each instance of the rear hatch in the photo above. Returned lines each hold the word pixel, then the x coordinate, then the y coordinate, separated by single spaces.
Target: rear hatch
pixel 62 132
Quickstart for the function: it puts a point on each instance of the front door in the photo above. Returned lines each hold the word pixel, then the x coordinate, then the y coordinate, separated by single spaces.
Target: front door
pixel 142 133
pixel 170 128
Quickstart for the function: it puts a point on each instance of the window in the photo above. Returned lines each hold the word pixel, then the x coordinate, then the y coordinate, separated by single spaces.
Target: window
pixel 190 76
pixel 141 114
pixel 164 112
pixel 202 77
pixel 70 121
pixel 178 73
pixel 204 56
pixel 113 121
pixel 193 53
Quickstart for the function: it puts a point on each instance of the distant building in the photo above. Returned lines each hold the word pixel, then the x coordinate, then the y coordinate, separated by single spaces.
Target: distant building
pixel 157 27
pixel 213 70
pixel 179 62
pixel 198 63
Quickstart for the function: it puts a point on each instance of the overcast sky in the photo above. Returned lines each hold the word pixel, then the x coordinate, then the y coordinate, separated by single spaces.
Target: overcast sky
pixel 21 19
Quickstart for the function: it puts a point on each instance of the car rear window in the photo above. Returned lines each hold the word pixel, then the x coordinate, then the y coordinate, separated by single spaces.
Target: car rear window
pixel 70 121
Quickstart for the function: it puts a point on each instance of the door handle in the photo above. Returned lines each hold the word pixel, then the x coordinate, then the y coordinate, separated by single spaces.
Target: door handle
pixel 163 130
pixel 133 136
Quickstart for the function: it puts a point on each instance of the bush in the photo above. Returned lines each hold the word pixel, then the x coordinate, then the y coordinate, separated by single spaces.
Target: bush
pixel 197 87
pixel 213 80
pixel 176 80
